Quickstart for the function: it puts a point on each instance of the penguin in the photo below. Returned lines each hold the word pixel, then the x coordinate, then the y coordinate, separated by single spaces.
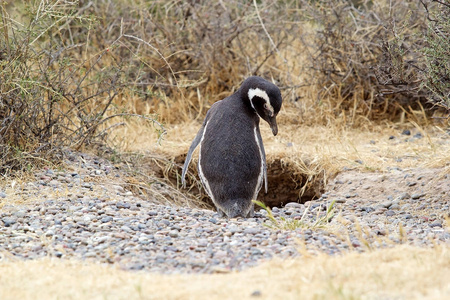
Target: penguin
pixel 231 160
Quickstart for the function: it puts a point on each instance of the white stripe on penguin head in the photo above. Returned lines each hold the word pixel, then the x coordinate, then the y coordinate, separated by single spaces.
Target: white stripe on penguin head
pixel 261 94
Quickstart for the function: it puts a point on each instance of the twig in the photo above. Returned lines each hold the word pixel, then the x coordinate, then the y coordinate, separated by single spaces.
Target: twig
pixel 264 27
pixel 159 53
pixel 270 39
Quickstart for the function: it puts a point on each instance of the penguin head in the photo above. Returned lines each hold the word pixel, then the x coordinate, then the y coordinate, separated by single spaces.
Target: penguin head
pixel 264 98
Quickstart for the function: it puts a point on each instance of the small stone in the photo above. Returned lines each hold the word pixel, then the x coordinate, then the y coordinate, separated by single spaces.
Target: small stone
pixel 417 196
pixel 126 228
pixel 20 213
pixel 293 205
pixel 49 233
pixel 367 209
pixel 137 266
pixel 54 182
pixel 386 204
pixel 221 254
pixel 202 242
pixel 173 233
pixel 219 270
pixel 356 243
pixel 8 221
pixel 123 205
pixel 394 207
pixel 404 196
pixel 106 219
pixel 2 194
pixel 380 232
pixel 406 132
pixel 120 235
pixel 251 230
pixel 437 223
pixel 90 254
pixel 256 293
pixel 390 213
pixel 234 228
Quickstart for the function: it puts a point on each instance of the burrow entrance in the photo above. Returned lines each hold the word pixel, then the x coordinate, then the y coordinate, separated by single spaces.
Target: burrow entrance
pixel 287 181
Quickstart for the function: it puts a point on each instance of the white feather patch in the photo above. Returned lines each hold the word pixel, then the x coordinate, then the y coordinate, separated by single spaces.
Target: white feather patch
pixel 200 171
pixel 261 94
pixel 258 92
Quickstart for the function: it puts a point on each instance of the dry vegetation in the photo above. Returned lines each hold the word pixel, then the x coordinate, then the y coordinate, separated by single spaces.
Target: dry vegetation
pixel 72 72
pixel 399 273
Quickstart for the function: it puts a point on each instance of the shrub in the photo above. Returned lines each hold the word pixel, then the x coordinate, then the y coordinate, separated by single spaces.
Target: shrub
pixel 55 92
pixel 69 68
pixel 437 55
pixel 377 58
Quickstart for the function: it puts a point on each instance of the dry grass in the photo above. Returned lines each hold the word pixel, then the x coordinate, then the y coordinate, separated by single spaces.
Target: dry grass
pixel 315 150
pixel 402 272
pixel 334 146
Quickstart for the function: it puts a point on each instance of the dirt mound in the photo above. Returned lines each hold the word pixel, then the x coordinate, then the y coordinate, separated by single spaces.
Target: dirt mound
pixel 396 184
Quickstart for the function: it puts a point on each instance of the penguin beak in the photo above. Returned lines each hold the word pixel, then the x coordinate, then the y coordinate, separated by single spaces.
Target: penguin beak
pixel 273 125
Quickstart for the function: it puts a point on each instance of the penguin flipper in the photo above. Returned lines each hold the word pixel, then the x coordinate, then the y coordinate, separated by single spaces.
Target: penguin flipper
pixel 193 146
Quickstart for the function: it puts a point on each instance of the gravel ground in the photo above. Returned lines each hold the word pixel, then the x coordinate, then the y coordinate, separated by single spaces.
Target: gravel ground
pixel 83 212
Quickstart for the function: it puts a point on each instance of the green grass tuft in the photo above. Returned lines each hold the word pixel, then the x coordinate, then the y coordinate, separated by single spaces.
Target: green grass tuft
pixel 293 224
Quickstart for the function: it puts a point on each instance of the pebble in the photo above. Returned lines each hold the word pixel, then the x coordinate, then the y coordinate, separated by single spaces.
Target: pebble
pixel 406 132
pixel 386 204
pixel 417 196
pixel 294 205
pixel 8 221
pixel 256 293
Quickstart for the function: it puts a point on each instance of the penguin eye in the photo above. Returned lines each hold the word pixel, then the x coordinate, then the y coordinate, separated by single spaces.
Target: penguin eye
pixel 269 110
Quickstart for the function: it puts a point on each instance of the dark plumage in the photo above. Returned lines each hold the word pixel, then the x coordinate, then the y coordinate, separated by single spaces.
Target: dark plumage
pixel 232 161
